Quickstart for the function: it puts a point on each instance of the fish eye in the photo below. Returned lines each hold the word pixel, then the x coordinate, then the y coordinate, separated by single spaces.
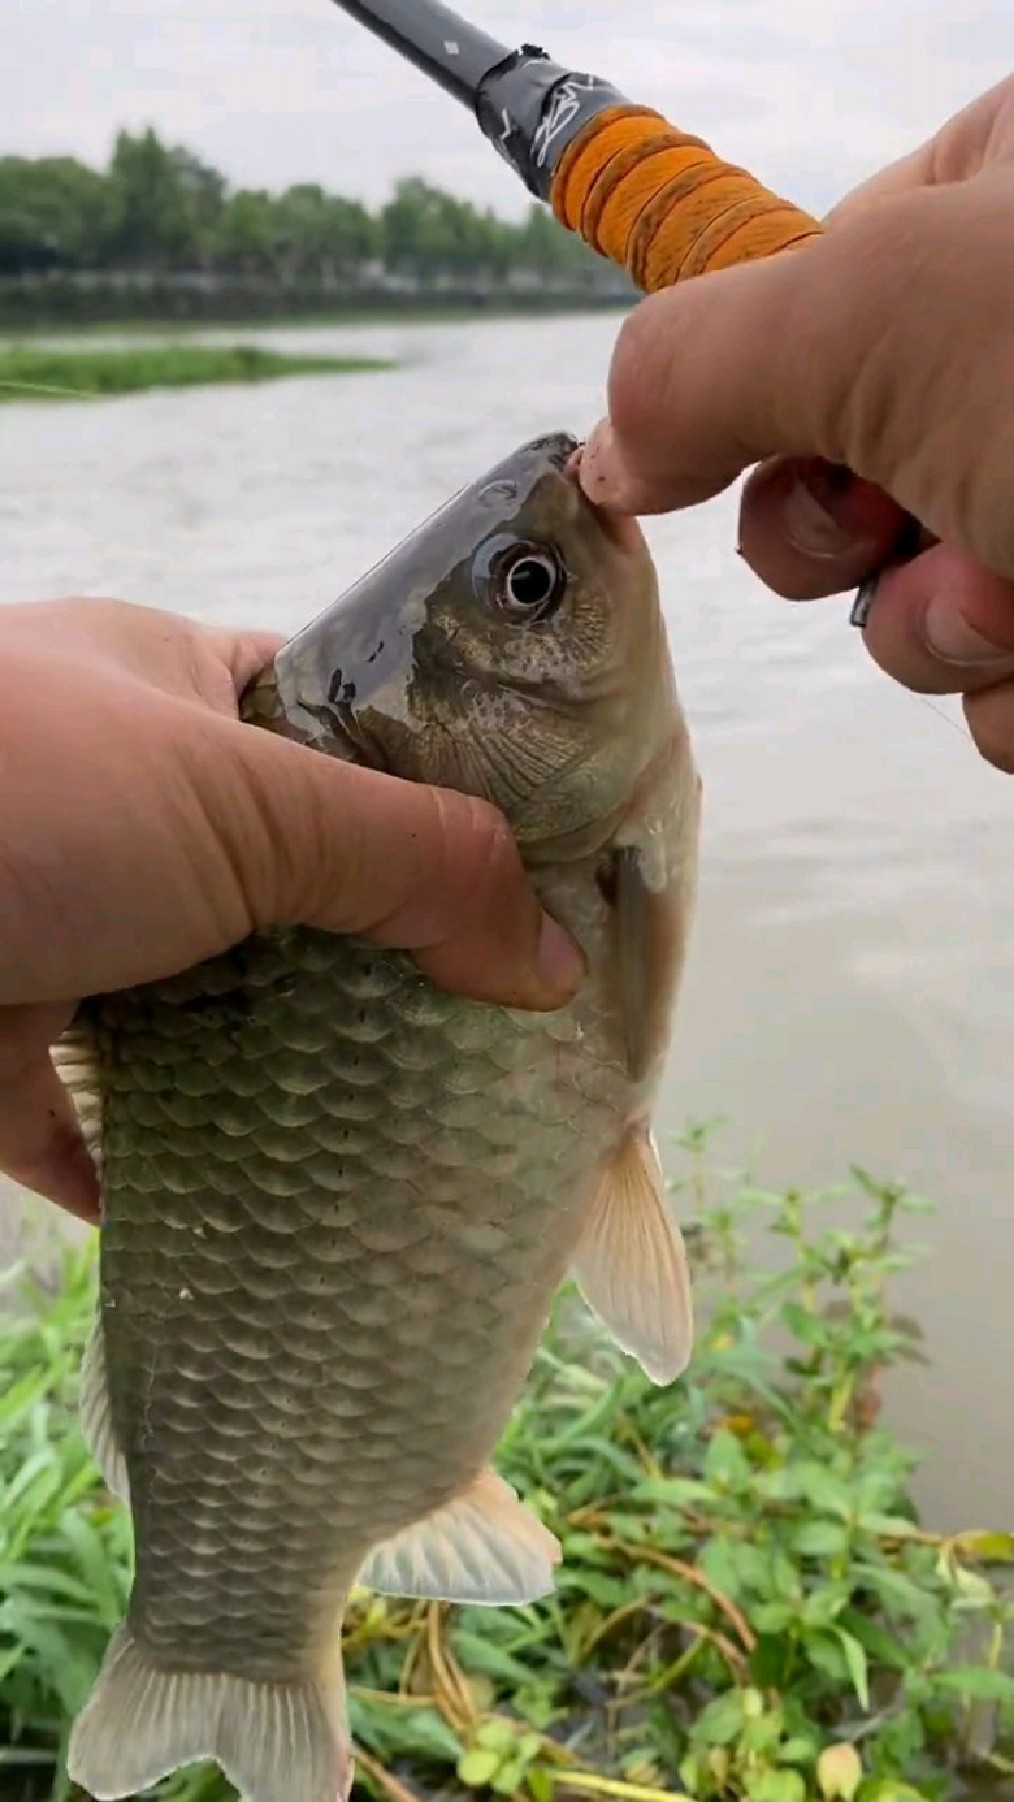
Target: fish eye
pixel 524 581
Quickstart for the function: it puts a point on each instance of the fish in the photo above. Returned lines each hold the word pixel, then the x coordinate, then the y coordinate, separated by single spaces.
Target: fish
pixel 338 1202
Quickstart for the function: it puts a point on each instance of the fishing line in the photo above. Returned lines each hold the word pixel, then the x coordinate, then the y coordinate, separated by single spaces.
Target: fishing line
pixel 12 387
pixel 962 731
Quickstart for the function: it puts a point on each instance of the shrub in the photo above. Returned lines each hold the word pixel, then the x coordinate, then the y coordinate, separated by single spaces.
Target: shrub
pixel 748 1609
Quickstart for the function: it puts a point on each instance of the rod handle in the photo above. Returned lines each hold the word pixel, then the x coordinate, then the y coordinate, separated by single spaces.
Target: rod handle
pixel 662 205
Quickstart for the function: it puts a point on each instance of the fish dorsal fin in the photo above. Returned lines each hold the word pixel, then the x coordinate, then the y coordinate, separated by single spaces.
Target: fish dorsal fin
pixel 631 1265
pixel 76 1063
pixel 96 1418
pixel 485 1546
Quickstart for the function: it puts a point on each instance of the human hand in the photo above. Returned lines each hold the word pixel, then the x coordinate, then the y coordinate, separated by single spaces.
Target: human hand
pixel 870 375
pixel 143 828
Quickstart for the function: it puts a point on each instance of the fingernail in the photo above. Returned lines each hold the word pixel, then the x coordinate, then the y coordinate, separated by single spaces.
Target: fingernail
pixel 598 473
pixel 558 960
pixel 863 602
pixel 809 511
pixel 953 640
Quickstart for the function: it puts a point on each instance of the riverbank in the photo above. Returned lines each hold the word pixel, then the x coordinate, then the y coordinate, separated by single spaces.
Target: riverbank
pixel 36 305
pixel 356 314
pixel 28 372
pixel 748 1603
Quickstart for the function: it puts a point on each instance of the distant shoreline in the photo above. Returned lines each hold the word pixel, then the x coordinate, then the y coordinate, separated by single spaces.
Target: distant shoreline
pixel 31 317
pixel 132 301
pixel 161 237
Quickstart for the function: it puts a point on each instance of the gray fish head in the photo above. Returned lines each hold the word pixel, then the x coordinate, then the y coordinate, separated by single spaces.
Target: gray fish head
pixel 512 647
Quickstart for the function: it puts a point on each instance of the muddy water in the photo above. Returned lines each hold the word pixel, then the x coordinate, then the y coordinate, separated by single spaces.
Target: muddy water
pixel 849 989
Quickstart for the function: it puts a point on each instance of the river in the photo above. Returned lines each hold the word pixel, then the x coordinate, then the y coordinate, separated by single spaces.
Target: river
pixel 849 990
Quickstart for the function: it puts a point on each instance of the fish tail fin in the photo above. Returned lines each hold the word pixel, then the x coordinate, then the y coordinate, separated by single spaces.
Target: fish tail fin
pixel 273 1741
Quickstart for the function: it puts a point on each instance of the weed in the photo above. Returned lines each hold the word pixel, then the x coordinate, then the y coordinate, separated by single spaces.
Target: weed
pixel 28 372
pixel 748 1608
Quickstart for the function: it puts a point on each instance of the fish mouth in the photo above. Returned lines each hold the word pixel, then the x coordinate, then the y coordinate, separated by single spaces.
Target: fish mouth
pixel 558 448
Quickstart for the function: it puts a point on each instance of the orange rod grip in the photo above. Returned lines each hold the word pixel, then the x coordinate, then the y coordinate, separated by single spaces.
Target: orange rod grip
pixel 662 205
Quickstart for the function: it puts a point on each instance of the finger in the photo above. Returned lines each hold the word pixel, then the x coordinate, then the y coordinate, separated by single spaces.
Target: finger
pixel 246 654
pixel 810 528
pixel 810 354
pixel 41 1143
pixel 422 869
pixel 167 650
pixel 712 376
pixel 990 717
pixel 942 625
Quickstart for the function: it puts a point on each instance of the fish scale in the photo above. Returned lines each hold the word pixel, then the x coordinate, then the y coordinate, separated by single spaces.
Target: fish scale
pixel 345 1253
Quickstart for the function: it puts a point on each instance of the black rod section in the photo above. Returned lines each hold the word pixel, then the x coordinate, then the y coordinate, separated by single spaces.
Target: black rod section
pixel 528 107
pixel 445 47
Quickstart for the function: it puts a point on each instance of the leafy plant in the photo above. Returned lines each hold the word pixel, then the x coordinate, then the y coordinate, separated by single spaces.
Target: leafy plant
pixel 748 1609
pixel 27 373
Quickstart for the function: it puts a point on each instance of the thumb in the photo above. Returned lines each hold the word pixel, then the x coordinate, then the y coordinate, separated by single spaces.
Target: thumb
pixel 42 1145
pixel 702 384
pixel 815 354
pixel 420 869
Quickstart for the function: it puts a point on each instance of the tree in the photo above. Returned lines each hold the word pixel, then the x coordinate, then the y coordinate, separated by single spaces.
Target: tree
pixel 51 213
pixel 544 247
pixel 246 232
pixel 202 191
pixel 150 223
pixel 161 207
pixel 425 231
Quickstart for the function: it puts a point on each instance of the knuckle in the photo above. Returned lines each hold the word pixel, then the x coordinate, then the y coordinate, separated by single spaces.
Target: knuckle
pixel 247 823
pixel 479 853
pixel 502 860
pixel 845 321
pixel 645 348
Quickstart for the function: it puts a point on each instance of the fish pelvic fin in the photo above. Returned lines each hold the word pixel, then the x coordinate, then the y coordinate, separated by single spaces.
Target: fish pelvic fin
pixel 485 1546
pixel 96 1417
pixel 273 1741
pixel 631 1264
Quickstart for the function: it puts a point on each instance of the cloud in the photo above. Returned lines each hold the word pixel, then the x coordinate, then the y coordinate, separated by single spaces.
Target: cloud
pixel 811 98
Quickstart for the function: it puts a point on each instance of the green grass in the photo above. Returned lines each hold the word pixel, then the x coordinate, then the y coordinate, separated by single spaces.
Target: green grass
pixel 28 373
pixel 748 1609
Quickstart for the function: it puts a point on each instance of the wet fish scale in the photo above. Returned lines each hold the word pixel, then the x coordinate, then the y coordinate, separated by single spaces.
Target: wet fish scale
pixel 204 1274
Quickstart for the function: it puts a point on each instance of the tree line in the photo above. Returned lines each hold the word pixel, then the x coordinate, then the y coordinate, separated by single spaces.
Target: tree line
pixel 159 208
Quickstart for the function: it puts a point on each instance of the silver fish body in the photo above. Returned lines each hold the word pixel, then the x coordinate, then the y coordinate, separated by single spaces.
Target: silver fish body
pixel 337 1202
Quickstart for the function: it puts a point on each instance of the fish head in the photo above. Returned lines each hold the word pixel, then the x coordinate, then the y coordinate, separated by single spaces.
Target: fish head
pixel 512 647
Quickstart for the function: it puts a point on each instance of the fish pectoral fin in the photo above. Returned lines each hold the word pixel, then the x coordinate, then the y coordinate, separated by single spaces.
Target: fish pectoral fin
pixel 272 1740
pixel 631 1264
pixel 96 1416
pixel 648 879
pixel 484 1547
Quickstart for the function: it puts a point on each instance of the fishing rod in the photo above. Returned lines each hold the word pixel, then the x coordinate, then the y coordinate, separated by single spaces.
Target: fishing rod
pixel 654 200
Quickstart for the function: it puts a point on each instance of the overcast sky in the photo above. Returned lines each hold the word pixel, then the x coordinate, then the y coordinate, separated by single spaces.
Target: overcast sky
pixel 809 94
